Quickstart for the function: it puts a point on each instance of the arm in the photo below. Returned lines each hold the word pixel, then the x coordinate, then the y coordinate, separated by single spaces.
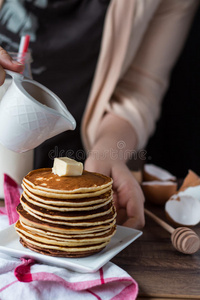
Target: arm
pixel 115 139
pixel 137 97
pixel 135 104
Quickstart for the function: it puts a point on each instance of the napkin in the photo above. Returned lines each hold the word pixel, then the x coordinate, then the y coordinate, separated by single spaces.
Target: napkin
pixel 33 281
pixel 12 193
pixel 27 279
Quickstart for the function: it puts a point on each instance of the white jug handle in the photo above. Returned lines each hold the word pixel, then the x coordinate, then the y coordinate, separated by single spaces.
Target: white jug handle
pixel 15 75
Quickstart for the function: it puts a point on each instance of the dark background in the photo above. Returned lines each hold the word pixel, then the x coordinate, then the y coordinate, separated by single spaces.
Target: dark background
pixel 175 145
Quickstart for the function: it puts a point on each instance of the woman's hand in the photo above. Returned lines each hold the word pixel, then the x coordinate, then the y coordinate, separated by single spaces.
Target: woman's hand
pixel 116 138
pixel 6 62
pixel 128 196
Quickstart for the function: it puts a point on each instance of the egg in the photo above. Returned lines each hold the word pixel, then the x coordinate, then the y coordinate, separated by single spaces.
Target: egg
pixel 152 172
pixel 158 192
pixel 183 210
pixel 192 179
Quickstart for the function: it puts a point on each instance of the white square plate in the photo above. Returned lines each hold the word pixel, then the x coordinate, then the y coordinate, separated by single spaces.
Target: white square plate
pixel 9 244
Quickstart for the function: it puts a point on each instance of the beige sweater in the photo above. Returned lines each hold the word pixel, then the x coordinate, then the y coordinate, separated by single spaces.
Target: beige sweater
pixel 140 44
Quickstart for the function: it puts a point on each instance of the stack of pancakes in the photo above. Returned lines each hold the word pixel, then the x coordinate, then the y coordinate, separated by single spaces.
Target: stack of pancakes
pixel 68 216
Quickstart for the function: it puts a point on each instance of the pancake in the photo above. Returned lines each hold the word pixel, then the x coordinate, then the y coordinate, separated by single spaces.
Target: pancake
pixel 45 180
pixel 67 208
pixel 52 194
pixel 63 229
pixel 80 202
pixel 32 221
pixel 67 216
pixel 67 251
pixel 64 241
pixel 60 253
pixel 88 222
pixel 64 235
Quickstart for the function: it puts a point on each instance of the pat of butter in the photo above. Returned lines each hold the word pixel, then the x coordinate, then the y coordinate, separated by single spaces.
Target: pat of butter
pixel 64 166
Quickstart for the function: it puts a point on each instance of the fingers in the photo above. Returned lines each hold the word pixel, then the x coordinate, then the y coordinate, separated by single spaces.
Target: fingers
pixel 136 221
pixel 129 198
pixel 6 62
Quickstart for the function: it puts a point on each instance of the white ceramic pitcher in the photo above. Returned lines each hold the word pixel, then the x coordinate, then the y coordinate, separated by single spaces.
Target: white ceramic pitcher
pixel 30 114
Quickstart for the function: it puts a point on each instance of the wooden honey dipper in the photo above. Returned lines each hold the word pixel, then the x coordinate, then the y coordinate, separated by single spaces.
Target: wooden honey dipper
pixel 183 239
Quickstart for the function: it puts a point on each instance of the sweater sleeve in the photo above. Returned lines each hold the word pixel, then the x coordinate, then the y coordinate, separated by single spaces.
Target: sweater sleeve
pixel 137 96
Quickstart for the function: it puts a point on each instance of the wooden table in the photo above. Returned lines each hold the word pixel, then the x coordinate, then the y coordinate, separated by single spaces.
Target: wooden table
pixel 161 271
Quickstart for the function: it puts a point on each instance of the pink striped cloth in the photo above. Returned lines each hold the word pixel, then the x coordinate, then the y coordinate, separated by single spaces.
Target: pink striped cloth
pixel 12 193
pixel 27 279
pixel 32 281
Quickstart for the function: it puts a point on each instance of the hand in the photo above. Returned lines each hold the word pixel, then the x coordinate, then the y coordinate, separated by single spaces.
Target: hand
pixel 128 196
pixel 6 62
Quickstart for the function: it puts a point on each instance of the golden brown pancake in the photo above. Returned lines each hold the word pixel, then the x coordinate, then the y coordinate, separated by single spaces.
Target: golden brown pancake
pixel 68 216
pixel 74 234
pixel 64 241
pixel 79 203
pixel 31 221
pixel 52 194
pixel 45 180
pixel 59 253
pixel 108 218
